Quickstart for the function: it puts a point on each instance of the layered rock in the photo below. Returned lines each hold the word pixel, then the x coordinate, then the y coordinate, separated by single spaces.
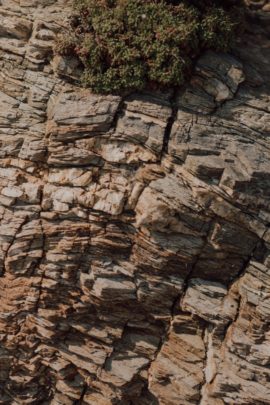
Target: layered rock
pixel 134 235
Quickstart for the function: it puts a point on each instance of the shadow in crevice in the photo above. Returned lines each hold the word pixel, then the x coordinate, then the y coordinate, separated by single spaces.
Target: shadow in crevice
pixel 146 398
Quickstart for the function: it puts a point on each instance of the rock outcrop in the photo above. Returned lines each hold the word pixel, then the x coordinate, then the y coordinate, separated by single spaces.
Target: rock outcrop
pixel 134 233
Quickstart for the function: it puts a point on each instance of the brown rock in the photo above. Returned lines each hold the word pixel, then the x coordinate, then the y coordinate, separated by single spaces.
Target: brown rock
pixel 134 254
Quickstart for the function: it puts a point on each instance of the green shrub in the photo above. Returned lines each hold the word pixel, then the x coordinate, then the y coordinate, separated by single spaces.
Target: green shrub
pixel 133 44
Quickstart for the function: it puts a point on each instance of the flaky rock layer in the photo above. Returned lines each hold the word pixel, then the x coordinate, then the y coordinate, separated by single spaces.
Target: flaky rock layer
pixel 134 233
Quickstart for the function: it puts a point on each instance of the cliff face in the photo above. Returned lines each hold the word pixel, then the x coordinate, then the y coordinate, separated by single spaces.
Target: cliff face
pixel 134 236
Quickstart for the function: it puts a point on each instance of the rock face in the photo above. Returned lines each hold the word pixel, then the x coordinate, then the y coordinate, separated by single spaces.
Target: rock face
pixel 134 233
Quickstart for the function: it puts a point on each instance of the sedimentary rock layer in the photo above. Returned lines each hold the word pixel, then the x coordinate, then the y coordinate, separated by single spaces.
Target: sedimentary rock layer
pixel 134 233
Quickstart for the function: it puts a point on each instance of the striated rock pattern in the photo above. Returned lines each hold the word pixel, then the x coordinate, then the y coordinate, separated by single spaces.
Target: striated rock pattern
pixel 134 232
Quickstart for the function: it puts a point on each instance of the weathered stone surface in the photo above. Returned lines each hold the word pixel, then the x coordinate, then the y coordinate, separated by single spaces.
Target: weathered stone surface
pixel 134 231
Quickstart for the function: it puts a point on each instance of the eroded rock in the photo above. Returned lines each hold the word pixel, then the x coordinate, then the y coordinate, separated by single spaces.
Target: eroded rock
pixel 134 231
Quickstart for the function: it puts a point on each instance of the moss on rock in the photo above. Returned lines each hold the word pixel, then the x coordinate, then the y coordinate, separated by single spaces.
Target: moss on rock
pixel 133 44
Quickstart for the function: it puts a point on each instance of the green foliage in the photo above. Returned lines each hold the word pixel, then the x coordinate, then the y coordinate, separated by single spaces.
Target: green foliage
pixel 132 44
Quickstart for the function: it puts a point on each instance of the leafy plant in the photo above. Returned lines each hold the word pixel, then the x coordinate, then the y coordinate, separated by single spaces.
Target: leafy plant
pixel 133 44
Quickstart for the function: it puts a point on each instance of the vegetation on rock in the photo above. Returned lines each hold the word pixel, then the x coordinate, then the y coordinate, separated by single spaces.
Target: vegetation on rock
pixel 132 44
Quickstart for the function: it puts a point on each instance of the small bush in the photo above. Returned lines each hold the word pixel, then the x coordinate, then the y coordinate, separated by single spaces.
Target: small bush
pixel 133 44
